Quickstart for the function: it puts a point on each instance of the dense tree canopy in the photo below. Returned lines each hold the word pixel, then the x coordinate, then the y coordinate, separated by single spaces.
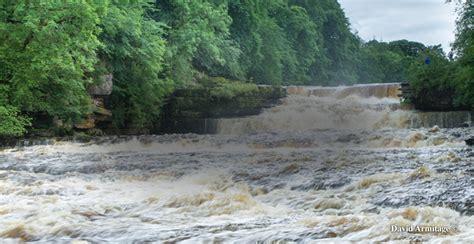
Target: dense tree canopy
pixel 52 52
pixel 133 51
pixel 464 46
pixel 47 52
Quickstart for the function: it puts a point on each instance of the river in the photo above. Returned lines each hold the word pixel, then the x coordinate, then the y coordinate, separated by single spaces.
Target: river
pixel 338 165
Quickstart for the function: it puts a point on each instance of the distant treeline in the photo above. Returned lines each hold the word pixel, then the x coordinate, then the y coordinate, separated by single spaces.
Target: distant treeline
pixel 51 52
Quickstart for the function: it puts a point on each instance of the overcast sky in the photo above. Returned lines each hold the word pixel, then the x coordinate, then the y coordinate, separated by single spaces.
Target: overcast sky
pixel 430 22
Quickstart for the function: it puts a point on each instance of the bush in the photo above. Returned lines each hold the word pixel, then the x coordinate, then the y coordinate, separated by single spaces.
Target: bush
pixel 440 85
pixel 222 88
pixel 12 124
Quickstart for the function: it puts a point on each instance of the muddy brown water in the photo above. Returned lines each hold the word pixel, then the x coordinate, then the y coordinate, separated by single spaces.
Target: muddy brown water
pixel 327 165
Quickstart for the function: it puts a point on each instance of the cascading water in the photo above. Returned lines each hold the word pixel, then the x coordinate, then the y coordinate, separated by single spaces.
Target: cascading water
pixel 342 164
pixel 374 106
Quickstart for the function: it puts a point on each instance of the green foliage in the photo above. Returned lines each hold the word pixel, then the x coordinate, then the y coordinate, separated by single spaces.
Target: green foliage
pixel 12 124
pixel 222 88
pixel 303 36
pixel 387 62
pixel 432 83
pixel 47 51
pixel 406 48
pixel 49 47
pixel 340 44
pixel 51 52
pixel 264 41
pixel 198 38
pixel 464 46
pixel 133 52
pixel 445 83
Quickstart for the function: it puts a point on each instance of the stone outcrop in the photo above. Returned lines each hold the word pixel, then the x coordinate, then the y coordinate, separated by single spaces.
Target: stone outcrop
pixel 470 141
pixel 98 93
pixel 196 110
pixel 100 114
pixel 104 88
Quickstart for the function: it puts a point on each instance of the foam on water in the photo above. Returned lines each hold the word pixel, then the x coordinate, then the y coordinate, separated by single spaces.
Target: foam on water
pixel 341 167
pixel 374 106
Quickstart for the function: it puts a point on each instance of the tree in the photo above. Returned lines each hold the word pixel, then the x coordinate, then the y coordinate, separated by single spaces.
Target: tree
pixel 302 36
pixel 133 52
pixel 387 62
pixel 47 52
pixel 464 46
pixel 432 84
pixel 198 38
pixel 261 40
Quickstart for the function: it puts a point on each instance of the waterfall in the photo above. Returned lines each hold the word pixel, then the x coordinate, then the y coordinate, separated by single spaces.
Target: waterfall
pixel 371 106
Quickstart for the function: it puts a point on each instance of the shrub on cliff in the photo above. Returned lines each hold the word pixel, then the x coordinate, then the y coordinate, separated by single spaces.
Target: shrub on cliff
pixel 222 88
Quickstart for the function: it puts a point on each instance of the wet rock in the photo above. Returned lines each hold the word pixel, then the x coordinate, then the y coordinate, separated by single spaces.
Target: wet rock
pixel 104 87
pixel 86 123
pixel 470 141
pixel 82 137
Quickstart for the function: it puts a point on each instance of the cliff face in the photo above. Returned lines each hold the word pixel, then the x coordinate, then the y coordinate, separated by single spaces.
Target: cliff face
pixel 98 93
pixel 195 110
pixel 104 88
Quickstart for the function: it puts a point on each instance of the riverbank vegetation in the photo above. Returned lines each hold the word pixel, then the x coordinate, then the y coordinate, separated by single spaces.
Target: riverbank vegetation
pixel 446 82
pixel 52 53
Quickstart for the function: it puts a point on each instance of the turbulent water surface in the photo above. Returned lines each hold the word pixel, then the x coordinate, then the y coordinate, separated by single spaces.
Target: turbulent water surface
pixel 339 164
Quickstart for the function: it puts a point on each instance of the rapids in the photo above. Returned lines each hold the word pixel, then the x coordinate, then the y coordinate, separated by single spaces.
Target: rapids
pixel 334 165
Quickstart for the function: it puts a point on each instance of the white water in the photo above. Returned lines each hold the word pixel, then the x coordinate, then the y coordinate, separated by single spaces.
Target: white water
pixel 374 106
pixel 332 165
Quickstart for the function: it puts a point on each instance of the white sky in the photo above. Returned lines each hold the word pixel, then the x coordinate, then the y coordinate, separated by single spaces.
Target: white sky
pixel 430 22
